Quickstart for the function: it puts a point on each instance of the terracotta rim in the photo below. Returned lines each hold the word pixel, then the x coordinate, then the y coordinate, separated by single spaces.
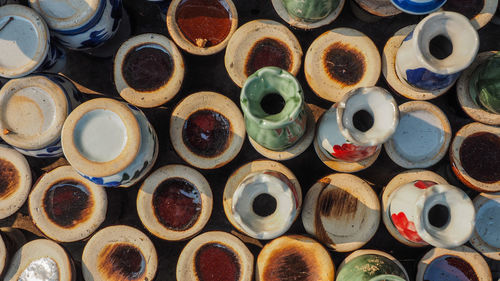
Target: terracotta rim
pixel 9 205
pixel 476 241
pixel 185 44
pixel 389 69
pixel 396 182
pixel 101 169
pixel 472 109
pixel 318 78
pixel 372 252
pixel 247 35
pixel 145 207
pixel 456 164
pixel 83 228
pixel 365 197
pixel 283 14
pixel 186 265
pixel 437 112
pixel 377 10
pixel 207 101
pixel 477 262
pixel 241 173
pixel 164 93
pixel 61 106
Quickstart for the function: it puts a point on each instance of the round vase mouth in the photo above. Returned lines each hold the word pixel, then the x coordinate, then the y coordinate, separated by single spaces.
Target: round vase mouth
pixel 376 104
pixel 418 7
pixel 452 29
pixel 266 81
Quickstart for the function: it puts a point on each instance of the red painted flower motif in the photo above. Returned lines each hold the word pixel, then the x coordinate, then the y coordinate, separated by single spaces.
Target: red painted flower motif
pixel 352 153
pixel 424 184
pixel 405 227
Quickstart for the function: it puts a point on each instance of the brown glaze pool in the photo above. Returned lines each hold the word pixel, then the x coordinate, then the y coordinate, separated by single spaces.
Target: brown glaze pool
pixel 468 8
pixel 9 178
pixel 344 64
pixel 207 133
pixel 177 204
pixel 205 23
pixel 217 262
pixel 147 68
pixel 450 268
pixel 289 264
pixel 268 52
pixel 121 261
pixel 68 203
pixel 480 156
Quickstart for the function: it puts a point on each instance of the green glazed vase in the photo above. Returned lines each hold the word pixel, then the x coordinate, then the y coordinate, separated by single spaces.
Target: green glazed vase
pixel 310 10
pixel 484 85
pixel 371 267
pixel 274 131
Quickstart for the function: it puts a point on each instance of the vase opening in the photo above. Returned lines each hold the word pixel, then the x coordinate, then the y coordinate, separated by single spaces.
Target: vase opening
pixel 439 215
pixel 363 120
pixel 272 103
pixel 264 205
pixel 440 47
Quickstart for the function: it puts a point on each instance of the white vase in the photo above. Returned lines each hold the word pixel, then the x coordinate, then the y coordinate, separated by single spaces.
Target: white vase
pixel 416 64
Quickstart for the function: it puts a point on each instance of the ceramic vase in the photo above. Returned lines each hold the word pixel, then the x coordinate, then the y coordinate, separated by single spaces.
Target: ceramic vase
pixel 371 267
pixel 484 84
pixel 53 97
pixel 340 139
pixel 439 48
pixel 81 25
pixel 438 214
pixel 310 10
pixel 418 7
pixel 25 43
pixel 274 131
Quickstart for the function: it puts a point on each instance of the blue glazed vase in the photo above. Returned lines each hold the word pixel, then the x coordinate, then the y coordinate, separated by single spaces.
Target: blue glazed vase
pixel 418 7
pixel 424 61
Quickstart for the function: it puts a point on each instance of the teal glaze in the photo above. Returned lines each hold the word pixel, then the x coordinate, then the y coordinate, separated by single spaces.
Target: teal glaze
pixel 371 267
pixel 484 85
pixel 310 10
pixel 279 131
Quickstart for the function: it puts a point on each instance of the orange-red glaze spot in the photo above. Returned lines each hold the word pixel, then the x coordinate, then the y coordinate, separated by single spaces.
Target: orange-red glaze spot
pixel 216 262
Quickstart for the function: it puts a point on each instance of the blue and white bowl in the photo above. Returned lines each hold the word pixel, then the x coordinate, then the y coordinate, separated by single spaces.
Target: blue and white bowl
pixel 81 24
pixel 35 108
pixel 109 142
pixel 418 7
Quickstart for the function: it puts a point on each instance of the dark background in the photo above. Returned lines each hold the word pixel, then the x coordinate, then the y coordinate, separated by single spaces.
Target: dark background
pixel 95 75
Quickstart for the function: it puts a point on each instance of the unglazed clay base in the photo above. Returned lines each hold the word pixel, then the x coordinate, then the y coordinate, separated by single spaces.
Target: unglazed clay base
pixel 16 193
pixel 422 137
pixel 400 180
pixel 389 70
pixel 381 8
pixel 295 150
pixel 472 109
pixel 283 13
pixel 474 259
pixel 345 40
pixel 353 215
pixel 486 235
pixel 456 164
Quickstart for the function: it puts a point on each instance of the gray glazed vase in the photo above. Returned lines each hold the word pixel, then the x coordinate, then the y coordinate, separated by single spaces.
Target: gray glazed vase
pixel 371 267
pixel 310 10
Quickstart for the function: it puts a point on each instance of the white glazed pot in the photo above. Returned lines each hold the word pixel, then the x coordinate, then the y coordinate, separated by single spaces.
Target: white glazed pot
pixel 416 65
pixel 438 214
pixel 338 138
pixel 81 24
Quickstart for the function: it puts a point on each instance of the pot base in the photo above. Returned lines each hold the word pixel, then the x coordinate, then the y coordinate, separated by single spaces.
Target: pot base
pixel 283 13
pixel 490 251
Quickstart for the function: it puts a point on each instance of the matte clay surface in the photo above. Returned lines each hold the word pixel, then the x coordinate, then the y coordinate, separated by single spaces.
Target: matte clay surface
pixel 209 73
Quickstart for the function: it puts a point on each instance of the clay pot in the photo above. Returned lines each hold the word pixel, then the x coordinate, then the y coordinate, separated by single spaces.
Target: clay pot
pixel 133 65
pixel 26 102
pixel 418 7
pixel 15 181
pixel 486 235
pixel 371 265
pixel 67 207
pixel 25 43
pixel 109 142
pixel 118 253
pixel 81 24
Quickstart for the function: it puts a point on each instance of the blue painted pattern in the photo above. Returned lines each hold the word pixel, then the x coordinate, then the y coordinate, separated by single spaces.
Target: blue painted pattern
pixel 418 8
pixel 428 80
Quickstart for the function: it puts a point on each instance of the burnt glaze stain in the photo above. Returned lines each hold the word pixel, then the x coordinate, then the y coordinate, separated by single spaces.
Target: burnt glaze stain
pixel 9 178
pixel 344 64
pixel 67 203
pixel 480 156
pixel 147 68
pixel 121 262
pixel 337 203
pixel 450 268
pixel 268 52
pixel 217 262
pixel 319 229
pixel 177 204
pixel 205 23
pixel 288 264
pixel 468 8
pixel 207 133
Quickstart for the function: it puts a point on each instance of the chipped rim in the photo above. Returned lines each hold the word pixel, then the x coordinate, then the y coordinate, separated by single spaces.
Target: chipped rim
pixel 316 75
pixel 185 44
pixel 476 241
pixel 283 14
pixel 145 208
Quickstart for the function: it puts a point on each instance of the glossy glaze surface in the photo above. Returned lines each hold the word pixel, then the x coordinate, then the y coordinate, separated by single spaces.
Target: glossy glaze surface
pixel 268 52
pixel 480 156
pixel 216 262
pixel 450 268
